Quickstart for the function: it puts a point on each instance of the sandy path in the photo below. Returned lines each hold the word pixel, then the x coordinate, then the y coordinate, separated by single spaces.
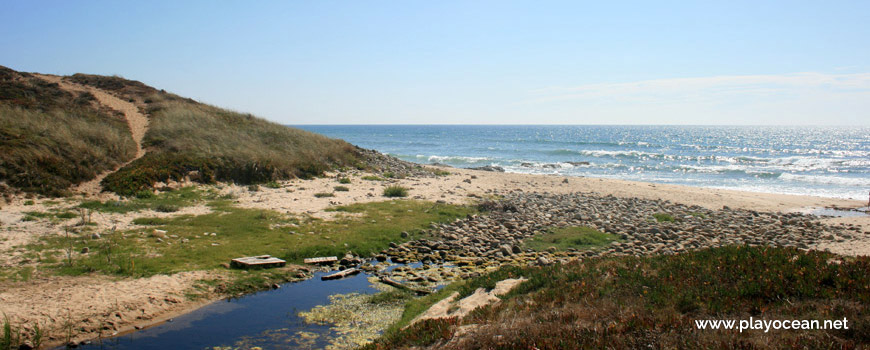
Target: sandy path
pixel 136 121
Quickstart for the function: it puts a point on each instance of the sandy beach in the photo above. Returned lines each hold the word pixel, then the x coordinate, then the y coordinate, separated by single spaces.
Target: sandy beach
pixel 89 302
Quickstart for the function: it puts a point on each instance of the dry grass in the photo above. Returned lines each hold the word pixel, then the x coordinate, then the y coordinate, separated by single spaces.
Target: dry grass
pixel 218 144
pixel 51 139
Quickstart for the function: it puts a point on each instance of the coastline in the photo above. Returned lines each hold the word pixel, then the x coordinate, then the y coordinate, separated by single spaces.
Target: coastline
pixel 462 186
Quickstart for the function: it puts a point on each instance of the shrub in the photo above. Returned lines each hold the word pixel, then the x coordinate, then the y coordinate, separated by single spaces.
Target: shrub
pixel 341 188
pixel 144 194
pixel 395 191
pixel 344 180
pixel 323 194
pixel 166 208
pixel 272 184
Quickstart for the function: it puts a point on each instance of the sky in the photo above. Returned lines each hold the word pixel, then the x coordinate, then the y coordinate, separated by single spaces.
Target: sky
pixel 469 62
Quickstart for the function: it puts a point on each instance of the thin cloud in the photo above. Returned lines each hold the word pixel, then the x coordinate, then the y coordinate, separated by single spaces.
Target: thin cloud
pixel 701 89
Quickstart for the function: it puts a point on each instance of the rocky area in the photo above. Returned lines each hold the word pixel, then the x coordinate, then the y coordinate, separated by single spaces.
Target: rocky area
pixel 470 246
pixel 385 163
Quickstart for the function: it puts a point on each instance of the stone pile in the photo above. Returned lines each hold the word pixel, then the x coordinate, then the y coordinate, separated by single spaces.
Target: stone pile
pixel 477 243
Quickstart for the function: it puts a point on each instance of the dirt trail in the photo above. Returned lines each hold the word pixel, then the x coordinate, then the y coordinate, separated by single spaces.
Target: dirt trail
pixel 136 121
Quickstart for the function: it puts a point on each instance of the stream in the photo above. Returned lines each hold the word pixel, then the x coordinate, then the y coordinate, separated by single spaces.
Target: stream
pixel 265 319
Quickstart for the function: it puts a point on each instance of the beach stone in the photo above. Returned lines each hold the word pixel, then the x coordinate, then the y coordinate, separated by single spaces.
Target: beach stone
pixel 95 236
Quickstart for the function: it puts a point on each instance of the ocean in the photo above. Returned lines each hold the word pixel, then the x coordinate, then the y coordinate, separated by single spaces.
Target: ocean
pixel 818 161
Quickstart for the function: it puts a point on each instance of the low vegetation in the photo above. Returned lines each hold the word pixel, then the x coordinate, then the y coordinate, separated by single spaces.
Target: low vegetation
pixel 208 144
pixel 169 201
pixel 209 240
pixel 564 238
pixel 51 139
pixel 634 302
pixel 663 217
pixel 185 140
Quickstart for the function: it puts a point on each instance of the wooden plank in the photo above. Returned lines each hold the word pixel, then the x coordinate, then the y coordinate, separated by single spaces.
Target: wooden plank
pixel 260 261
pixel 321 260
pixel 400 285
pixel 341 274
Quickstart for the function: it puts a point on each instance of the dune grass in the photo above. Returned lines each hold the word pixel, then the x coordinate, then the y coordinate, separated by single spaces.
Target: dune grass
pixel 51 139
pixel 633 302
pixel 219 145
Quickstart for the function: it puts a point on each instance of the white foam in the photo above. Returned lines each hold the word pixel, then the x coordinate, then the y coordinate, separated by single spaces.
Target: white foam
pixel 828 180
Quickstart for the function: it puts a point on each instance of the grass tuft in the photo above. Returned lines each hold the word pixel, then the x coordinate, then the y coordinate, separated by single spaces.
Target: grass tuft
pixel 395 191
pixel 564 238
pixel 663 217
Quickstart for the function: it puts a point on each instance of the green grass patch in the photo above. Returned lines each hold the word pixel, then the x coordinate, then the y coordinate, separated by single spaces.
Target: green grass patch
pixel 373 178
pixel 391 297
pixel 245 232
pixel 577 237
pixel 663 217
pixel 395 191
pixel 150 221
pixel 344 180
pixel 341 188
pixel 164 202
pixel 323 194
pixel 439 172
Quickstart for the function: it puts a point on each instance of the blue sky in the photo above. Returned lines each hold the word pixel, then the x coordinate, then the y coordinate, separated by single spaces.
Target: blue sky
pixel 470 62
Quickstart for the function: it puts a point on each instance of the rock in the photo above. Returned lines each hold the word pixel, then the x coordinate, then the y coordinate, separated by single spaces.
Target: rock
pixel 492 168
pixel 578 163
pixel 85 250
pixel 505 250
pixel 158 233
pixel 95 236
pixel 543 261
pixel 404 234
